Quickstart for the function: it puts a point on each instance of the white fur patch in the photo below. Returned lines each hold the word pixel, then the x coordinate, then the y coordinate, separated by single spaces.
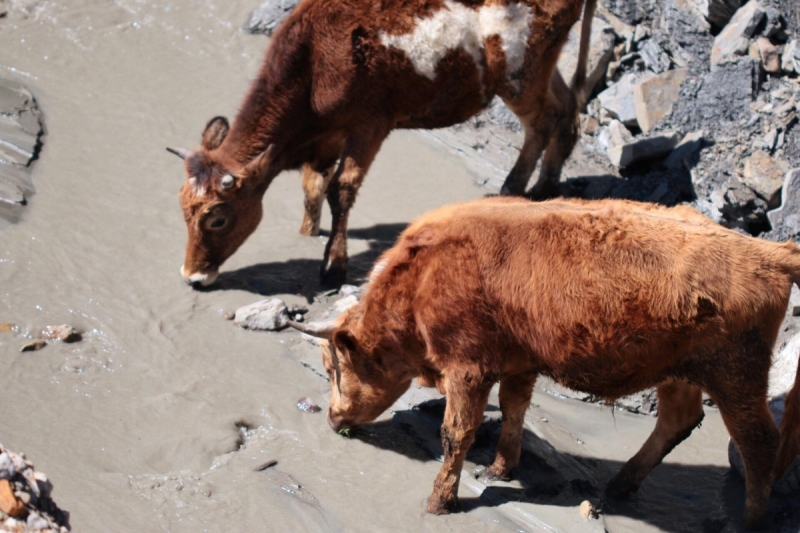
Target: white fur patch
pixel 457 26
pixel 377 269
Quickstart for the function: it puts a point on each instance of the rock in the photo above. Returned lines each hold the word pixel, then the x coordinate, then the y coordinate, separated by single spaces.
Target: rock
pixel 268 16
pixel 630 11
pixel 63 333
pixel 601 50
pixel 734 40
pixel 654 57
pixel 774 29
pixel 719 12
pixel 307 405
pixel 763 174
pixel 618 99
pixel 33 345
pixel 640 33
pixel 685 26
pixel 9 503
pixel 11 194
pixel 587 510
pixel 790 60
pixel 785 220
pixel 627 154
pixel 5 327
pixel 345 303
pixel 686 149
pixel 653 98
pixel 348 290
pixel 589 124
pixel 614 134
pixel 228 315
pixel 269 315
pixel 769 55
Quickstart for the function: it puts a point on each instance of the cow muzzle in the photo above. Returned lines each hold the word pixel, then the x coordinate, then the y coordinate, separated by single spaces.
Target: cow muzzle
pixel 337 423
pixel 203 279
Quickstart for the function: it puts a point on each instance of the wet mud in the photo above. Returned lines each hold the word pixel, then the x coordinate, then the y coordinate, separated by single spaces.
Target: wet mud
pixel 162 417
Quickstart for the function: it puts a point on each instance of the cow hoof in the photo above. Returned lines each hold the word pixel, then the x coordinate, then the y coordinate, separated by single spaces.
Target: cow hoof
pixel 440 506
pixel 488 475
pixel 333 277
pixel 540 193
pixel 621 487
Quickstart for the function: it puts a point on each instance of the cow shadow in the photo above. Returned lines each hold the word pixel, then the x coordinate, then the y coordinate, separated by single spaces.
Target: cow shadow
pixel 301 276
pixel 675 498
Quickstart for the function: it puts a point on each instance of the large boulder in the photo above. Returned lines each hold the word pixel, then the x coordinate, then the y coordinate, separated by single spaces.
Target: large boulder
pixel 734 39
pixel 653 98
pixel 618 99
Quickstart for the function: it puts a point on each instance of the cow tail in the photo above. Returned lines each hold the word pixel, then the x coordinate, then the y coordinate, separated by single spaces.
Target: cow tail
pixel 578 84
pixel 789 447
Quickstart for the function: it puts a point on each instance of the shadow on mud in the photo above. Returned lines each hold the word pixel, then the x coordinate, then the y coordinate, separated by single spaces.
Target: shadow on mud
pixel 301 276
pixel 675 498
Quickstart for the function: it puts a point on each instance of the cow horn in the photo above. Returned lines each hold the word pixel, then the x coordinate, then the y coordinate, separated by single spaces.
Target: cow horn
pixel 260 163
pixel 180 152
pixel 227 181
pixel 321 330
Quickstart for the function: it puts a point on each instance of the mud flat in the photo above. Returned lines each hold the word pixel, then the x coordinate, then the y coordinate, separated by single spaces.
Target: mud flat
pixel 161 417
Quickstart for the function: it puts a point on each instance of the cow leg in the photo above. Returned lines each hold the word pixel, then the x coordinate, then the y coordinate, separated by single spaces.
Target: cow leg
pixel 537 110
pixel 515 397
pixel 314 186
pixel 358 154
pixel 466 402
pixel 680 410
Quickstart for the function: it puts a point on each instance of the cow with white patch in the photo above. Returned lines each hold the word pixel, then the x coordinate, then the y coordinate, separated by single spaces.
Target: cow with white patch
pixel 339 75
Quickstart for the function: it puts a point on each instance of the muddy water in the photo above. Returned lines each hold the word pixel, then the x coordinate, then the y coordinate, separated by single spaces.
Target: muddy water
pixel 157 420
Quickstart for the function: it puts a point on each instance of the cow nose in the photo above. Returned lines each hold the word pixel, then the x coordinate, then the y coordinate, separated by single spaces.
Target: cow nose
pixel 199 279
pixel 336 422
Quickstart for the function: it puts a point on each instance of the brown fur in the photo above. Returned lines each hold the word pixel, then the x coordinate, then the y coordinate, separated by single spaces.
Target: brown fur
pixel 329 90
pixel 606 297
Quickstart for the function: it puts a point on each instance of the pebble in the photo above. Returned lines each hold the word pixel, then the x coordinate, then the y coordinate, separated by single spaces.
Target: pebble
pixel 587 510
pixel 9 503
pixel 63 333
pixel 307 405
pixel 5 327
pixel 33 345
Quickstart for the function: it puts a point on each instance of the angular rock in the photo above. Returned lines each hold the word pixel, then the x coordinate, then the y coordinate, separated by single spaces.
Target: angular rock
pixel 617 100
pixel 654 98
pixel 734 40
pixel 587 510
pixel 684 24
pixel 654 57
pixel 9 503
pixel 601 50
pixel 639 150
pixel 763 174
pixel 785 220
pixel 268 315
pixel 614 134
pixel 268 16
pixel 33 345
pixel 63 333
pixel 790 60
pixel 688 147
pixel 769 55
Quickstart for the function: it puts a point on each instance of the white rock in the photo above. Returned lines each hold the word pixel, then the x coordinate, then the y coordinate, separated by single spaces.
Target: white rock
pixel 734 40
pixel 345 303
pixel 264 315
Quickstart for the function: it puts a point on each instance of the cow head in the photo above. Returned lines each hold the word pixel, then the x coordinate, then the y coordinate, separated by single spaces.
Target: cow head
pixel 365 380
pixel 221 202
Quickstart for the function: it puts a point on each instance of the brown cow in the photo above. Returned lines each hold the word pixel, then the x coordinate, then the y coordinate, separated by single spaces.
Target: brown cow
pixel 339 75
pixel 606 297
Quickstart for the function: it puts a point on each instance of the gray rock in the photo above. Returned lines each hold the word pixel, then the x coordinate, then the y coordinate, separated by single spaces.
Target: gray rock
pixel 345 303
pixel 774 28
pixel 601 50
pixel 688 147
pixel 347 290
pixel 269 315
pixel 684 25
pixel 614 134
pixel 763 174
pixel 268 16
pixel 653 99
pixel 790 60
pixel 654 57
pixel 641 149
pixel 785 220
pixel 734 40
pixel 618 99
pixel 631 11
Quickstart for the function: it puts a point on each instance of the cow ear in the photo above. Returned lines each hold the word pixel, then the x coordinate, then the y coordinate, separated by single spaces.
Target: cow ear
pixel 345 341
pixel 215 132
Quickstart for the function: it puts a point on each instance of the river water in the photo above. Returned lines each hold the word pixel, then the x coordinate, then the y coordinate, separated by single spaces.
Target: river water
pixel 157 420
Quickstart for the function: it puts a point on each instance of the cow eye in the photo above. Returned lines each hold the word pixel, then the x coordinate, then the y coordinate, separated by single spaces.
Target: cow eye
pixel 217 223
